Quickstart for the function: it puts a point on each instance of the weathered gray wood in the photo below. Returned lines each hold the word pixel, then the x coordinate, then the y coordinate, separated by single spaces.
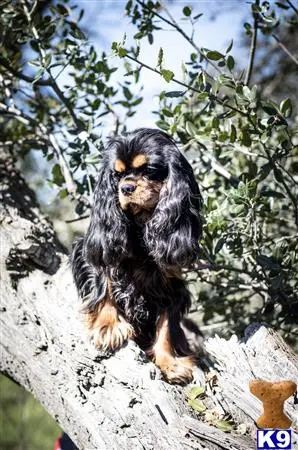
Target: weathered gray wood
pixel 102 402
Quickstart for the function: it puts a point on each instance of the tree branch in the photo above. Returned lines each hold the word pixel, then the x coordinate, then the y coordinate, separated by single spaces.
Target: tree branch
pixel 291 196
pixel 20 75
pixel 187 86
pixel 285 49
pixel 292 6
pixel 180 30
pixel 252 51
pixel 51 140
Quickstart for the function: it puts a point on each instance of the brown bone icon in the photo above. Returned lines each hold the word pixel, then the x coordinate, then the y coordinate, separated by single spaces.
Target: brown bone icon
pixel 273 396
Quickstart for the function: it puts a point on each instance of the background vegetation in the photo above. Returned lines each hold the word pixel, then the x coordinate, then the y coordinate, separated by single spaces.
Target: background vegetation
pixel 236 122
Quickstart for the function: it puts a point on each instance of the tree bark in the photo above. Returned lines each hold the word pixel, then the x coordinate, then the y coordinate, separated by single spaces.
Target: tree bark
pixel 109 401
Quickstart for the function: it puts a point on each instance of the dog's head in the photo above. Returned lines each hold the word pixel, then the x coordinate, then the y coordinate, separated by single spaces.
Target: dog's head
pixel 145 180
pixel 139 170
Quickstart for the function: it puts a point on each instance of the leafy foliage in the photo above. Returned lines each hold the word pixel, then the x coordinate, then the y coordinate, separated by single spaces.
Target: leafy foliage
pixel 64 119
pixel 241 143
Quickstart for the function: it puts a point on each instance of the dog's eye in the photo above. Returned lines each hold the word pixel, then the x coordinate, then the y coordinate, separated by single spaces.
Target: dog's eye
pixel 117 175
pixel 155 173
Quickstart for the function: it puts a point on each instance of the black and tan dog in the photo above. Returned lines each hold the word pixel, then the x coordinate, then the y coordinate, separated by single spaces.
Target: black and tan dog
pixel 145 226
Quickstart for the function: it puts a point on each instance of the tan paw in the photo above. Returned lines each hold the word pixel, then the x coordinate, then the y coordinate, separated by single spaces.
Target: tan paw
pixel 176 370
pixel 111 336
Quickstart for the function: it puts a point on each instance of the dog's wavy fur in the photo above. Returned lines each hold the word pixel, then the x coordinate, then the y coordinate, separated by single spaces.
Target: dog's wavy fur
pixel 133 260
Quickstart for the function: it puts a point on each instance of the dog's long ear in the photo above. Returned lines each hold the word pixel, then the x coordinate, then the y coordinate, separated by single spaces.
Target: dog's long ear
pixel 107 239
pixel 172 233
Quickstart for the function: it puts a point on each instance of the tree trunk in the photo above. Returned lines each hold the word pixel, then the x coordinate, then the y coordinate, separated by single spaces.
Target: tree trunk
pixel 109 401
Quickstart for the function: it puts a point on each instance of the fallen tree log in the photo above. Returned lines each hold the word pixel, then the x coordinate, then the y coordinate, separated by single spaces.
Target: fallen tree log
pixel 104 401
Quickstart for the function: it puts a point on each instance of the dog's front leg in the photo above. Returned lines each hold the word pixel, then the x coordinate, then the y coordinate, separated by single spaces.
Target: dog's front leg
pixel 175 369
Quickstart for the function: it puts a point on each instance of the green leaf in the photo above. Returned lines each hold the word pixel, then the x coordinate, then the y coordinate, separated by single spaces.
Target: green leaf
pixel 150 38
pixel 223 425
pixel 127 93
pixel 190 129
pixel 230 63
pixel 57 174
pixel 163 125
pixel 167 75
pixel 219 245
pixel 282 5
pixel 286 107
pixel 264 171
pixel 195 392
pixel 272 194
pixel 197 405
pixel 202 95
pixel 245 138
pixel 278 175
pixel 38 75
pixel 76 32
pixel 233 134
pixel 214 55
pixel 215 122
pixel 34 63
pixel 230 47
pixel 122 52
pixel 160 57
pixel 34 45
pixel 174 94
pixel 128 6
pixel 166 112
pixel 63 193
pixel 62 10
pixel 139 35
pixel 269 108
pixel 47 60
pixel 187 11
pixel 202 78
pixel 246 92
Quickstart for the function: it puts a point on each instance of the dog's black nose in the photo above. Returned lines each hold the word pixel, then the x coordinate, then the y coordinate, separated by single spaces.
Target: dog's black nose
pixel 127 189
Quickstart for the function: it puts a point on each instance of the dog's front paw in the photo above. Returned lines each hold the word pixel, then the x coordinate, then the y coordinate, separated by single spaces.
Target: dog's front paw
pixel 111 336
pixel 176 370
pixel 109 331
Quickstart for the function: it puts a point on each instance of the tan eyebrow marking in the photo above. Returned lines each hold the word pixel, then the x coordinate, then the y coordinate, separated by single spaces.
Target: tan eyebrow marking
pixel 139 161
pixel 119 166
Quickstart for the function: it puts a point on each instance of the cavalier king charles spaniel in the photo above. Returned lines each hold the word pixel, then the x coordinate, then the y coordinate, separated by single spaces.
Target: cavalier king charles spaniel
pixel 144 228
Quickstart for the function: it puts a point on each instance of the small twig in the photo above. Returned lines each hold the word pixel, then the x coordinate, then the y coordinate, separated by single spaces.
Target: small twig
pixel 175 25
pixel 27 120
pixel 51 80
pixel 285 49
pixel 78 123
pixel 77 219
pixel 22 76
pixel 19 115
pixel 70 184
pixel 252 51
pixel 216 166
pixel 187 86
pixel 287 189
pixel 292 6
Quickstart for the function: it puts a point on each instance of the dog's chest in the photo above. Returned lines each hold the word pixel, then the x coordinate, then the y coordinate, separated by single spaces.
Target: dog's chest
pixel 142 290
